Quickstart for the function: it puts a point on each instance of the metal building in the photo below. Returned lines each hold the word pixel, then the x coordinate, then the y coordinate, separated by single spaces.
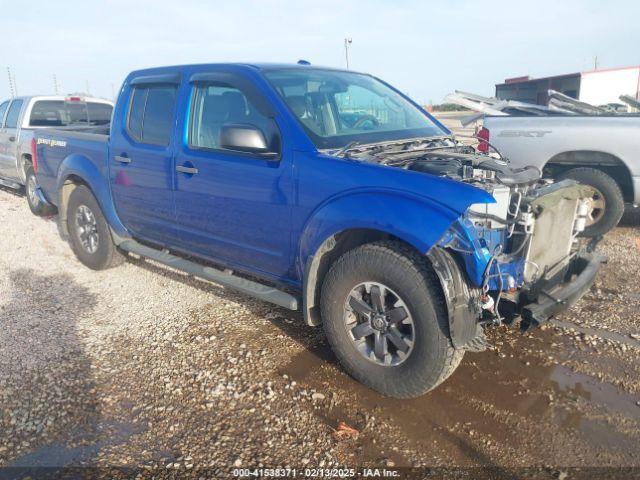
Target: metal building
pixel 597 87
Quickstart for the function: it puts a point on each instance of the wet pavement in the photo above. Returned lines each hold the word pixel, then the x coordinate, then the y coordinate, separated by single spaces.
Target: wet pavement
pixel 499 402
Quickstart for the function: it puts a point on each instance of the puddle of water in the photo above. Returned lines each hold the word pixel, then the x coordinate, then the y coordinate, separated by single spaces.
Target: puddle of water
pixel 592 390
pixel 483 383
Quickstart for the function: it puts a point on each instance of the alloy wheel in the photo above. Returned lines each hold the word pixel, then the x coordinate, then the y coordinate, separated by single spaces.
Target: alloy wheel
pixel 379 324
pixel 87 228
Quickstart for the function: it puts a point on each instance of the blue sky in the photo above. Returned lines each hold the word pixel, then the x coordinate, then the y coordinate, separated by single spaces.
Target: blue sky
pixel 426 49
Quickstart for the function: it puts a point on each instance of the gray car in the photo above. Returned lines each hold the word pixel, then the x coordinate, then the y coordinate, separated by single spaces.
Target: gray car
pixel 21 116
pixel 600 151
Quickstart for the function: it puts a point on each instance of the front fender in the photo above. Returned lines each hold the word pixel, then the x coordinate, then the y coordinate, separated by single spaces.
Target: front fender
pixel 419 221
pixel 81 167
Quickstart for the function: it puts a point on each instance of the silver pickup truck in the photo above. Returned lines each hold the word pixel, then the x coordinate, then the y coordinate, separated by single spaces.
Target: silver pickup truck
pixel 21 116
pixel 600 151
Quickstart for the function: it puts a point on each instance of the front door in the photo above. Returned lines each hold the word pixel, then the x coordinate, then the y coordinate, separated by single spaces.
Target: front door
pixel 141 167
pixel 231 206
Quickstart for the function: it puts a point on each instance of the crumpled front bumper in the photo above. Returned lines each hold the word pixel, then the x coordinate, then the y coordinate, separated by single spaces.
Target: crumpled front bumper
pixel 552 300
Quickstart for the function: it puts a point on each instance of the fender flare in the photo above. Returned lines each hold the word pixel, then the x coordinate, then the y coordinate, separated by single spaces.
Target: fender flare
pixel 462 299
pixel 79 166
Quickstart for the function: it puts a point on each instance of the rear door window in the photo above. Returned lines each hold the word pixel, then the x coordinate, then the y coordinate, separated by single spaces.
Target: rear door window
pixel 151 114
pixel 13 114
pixel 61 113
pixel 3 110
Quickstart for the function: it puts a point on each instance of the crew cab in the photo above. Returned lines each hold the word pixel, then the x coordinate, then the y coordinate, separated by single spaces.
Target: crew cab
pixel 20 117
pixel 325 191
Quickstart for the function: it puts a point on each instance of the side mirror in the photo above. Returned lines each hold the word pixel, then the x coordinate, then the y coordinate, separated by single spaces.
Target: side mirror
pixel 245 138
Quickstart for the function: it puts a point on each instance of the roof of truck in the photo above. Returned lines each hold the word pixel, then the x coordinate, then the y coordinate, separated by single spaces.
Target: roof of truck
pixel 240 65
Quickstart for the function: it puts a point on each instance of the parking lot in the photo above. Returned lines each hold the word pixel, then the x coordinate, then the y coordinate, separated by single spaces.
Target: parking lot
pixel 144 366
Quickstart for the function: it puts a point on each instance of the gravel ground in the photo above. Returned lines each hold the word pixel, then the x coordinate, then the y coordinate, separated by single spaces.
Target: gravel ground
pixel 142 366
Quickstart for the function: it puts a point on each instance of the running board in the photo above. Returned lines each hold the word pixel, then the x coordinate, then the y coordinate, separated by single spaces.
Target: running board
pixel 258 290
pixel 10 184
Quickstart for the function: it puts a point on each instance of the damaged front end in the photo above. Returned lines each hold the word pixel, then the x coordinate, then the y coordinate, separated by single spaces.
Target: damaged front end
pixel 519 257
pixel 522 254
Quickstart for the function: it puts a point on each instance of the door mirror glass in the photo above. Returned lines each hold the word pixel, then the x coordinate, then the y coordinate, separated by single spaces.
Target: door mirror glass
pixel 245 138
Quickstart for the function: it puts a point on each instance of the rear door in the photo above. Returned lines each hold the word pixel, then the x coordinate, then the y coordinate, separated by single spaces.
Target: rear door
pixel 9 140
pixel 141 163
pixel 232 206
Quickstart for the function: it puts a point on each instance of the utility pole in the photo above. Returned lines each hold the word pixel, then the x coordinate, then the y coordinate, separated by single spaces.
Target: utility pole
pixel 347 43
pixel 13 89
pixel 595 63
pixel 86 83
pixel 56 87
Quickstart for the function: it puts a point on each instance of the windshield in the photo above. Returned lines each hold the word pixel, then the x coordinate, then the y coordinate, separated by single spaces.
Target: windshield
pixel 59 113
pixel 337 108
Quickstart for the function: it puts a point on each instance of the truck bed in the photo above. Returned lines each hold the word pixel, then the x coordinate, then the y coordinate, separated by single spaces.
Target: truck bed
pixel 69 145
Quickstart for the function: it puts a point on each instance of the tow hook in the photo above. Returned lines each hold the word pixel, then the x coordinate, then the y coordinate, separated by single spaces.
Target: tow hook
pixel 487 303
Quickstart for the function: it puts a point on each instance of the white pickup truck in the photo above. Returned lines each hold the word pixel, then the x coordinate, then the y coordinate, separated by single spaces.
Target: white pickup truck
pixel 21 116
pixel 601 151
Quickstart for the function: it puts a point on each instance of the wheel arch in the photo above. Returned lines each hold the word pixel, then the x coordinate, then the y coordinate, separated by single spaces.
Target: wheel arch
pixel 77 170
pixel 25 161
pixel 333 247
pixel 606 162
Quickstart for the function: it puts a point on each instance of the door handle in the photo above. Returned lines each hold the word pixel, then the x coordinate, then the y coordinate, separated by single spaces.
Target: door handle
pixel 121 159
pixel 185 169
pixel 12 139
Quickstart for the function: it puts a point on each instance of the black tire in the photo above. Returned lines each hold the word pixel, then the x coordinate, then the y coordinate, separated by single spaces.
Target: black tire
pixel 606 187
pixel 82 205
pixel 432 358
pixel 36 206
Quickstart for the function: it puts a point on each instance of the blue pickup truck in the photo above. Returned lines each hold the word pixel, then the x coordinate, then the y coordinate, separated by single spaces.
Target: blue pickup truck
pixel 326 191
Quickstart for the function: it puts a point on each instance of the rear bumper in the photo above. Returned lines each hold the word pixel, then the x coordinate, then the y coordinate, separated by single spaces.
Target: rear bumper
pixel 582 274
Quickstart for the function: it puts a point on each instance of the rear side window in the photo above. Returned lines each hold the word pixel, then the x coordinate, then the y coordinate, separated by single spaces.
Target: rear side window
pixel 13 114
pixel 217 105
pixel 3 110
pixel 151 114
pixel 60 113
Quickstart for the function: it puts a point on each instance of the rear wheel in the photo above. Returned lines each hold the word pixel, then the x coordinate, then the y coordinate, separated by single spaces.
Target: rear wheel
pixel 607 203
pixel 89 232
pixel 384 315
pixel 37 206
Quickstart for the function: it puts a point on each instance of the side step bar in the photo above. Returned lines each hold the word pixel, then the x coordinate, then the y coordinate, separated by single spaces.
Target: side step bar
pixel 10 184
pixel 258 290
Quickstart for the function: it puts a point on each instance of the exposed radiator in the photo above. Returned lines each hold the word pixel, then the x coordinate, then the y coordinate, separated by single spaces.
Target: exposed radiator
pixel 559 216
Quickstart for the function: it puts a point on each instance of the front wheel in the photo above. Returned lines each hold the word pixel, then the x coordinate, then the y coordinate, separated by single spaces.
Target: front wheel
pixel 89 232
pixel 36 205
pixel 384 315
